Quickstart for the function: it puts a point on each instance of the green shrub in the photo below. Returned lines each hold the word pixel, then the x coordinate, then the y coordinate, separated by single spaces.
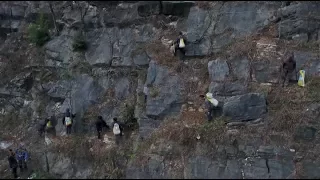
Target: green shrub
pixel 79 43
pixel 38 33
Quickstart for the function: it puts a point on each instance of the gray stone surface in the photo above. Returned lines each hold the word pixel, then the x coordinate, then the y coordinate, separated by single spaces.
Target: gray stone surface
pixel 245 107
pixel 265 71
pixel 218 70
pixel 166 98
pixel 114 46
pixel 60 48
pixel 85 92
pixel 240 68
pixel 203 168
pixel 227 88
pixel 59 89
pixel 257 168
pixel 244 17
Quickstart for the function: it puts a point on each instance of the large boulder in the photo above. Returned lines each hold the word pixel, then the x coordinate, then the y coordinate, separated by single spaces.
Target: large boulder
pixel 165 94
pixel 245 107
pixel 293 19
pixel 218 70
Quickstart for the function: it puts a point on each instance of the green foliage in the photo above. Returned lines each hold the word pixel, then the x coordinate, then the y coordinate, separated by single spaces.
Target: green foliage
pixel 128 116
pixel 154 91
pixel 79 43
pixel 38 33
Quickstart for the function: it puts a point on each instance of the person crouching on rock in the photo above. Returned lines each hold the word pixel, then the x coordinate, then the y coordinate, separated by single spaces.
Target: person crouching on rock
pixel 213 106
pixel 117 129
pixel 100 123
pixel 67 120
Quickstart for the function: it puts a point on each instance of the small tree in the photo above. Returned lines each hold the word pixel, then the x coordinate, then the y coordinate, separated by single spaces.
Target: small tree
pixel 38 33
pixel 79 43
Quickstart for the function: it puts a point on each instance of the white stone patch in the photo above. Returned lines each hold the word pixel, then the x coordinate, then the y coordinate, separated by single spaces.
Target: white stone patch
pixel 5 145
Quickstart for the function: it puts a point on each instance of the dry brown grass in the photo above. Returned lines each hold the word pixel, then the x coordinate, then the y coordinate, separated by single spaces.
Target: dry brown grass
pixel 191 128
pixel 161 54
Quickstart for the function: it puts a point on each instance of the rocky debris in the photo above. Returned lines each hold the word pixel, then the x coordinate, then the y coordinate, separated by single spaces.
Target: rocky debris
pixel 245 107
pixel 164 96
pixel 267 168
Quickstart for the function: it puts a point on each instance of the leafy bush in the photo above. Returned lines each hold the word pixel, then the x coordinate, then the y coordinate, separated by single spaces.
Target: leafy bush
pixel 79 43
pixel 38 33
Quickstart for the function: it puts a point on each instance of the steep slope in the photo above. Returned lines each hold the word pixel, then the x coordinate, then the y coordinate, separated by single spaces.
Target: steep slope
pixel 234 50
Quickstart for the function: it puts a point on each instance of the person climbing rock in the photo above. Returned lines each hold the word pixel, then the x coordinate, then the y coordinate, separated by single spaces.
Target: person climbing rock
pixel 287 69
pixel 68 120
pixel 180 46
pixel 51 125
pixel 117 129
pixel 145 92
pixel 213 106
pixel 13 164
pixel 42 126
pixel 22 157
pixel 100 123
pixel 173 48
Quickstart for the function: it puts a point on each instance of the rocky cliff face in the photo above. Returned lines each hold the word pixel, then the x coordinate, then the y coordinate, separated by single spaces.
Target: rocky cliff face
pixel 234 50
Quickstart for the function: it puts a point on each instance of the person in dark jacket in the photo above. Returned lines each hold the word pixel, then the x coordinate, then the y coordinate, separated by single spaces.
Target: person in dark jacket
pixel 68 120
pixel 22 157
pixel 180 45
pixel 117 129
pixel 287 69
pixel 100 123
pixel 13 163
pixel 42 127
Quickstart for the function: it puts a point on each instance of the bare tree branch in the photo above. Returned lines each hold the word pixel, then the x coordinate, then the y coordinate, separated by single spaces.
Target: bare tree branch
pixel 53 18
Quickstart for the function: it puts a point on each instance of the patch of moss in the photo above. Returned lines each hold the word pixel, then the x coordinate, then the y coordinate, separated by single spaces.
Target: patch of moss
pixel 38 33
